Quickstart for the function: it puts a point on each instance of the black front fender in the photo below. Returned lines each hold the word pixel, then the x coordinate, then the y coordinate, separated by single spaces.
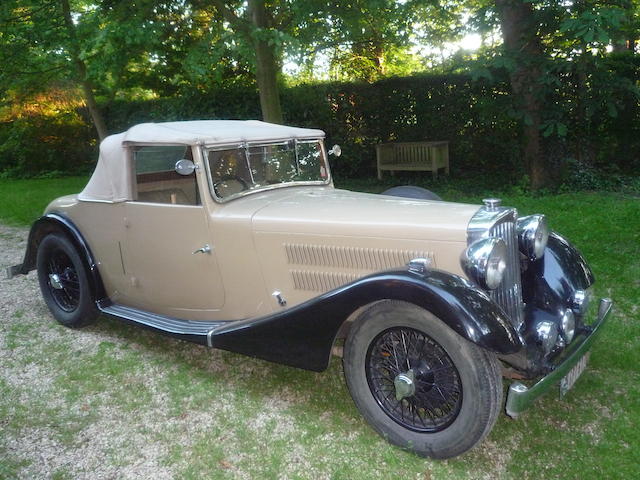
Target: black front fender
pixel 303 336
pixel 551 282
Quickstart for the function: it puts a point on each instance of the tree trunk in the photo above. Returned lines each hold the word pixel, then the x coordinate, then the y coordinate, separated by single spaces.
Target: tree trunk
pixel 90 100
pixel 522 44
pixel 267 68
pixel 85 83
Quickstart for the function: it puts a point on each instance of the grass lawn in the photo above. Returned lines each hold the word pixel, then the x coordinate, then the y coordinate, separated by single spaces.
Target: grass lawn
pixel 22 201
pixel 260 420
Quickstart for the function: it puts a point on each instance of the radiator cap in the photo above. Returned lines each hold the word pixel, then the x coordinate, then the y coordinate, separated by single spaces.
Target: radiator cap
pixel 491 203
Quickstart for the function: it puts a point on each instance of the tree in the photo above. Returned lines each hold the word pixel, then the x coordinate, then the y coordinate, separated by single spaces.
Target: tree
pixel 523 47
pixel 74 50
pixel 40 45
pixel 260 27
pixel 364 34
pixel 555 54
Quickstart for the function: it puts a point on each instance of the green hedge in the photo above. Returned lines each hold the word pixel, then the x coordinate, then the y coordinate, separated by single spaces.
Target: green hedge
pixel 38 145
pixel 470 115
pixel 474 116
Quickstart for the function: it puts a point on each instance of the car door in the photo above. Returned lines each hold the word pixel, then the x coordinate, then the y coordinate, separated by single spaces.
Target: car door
pixel 169 256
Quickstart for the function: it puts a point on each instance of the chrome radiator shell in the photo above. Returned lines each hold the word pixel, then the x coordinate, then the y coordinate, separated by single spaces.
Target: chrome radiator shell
pixel 501 222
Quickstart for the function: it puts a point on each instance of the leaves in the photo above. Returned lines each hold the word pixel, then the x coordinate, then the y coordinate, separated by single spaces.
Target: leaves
pixel 594 27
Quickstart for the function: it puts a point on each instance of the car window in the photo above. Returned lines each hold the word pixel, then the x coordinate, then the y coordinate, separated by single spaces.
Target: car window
pixel 253 167
pixel 156 178
pixel 229 172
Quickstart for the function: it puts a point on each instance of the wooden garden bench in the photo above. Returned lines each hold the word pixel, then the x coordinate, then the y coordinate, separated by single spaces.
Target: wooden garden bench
pixel 413 156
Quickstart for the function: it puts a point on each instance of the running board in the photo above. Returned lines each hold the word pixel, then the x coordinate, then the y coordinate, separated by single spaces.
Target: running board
pixel 189 330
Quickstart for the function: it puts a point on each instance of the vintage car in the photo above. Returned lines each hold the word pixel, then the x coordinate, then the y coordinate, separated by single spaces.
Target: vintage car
pixel 230 234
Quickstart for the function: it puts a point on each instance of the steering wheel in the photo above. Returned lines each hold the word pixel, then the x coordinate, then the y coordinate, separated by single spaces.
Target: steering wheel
pixel 241 182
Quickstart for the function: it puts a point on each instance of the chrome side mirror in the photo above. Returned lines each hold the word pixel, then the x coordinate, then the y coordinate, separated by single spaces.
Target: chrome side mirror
pixel 335 150
pixel 185 167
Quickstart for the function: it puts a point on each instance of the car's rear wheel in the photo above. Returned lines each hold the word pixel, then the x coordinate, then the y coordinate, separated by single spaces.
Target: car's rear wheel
pixel 64 283
pixel 418 383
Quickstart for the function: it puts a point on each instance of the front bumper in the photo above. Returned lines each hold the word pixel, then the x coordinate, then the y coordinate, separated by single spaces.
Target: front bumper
pixel 521 397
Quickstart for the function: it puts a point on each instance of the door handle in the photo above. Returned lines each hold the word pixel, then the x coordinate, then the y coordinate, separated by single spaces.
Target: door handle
pixel 205 249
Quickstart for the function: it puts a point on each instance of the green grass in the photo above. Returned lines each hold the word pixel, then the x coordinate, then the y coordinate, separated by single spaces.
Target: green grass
pixel 269 421
pixel 23 201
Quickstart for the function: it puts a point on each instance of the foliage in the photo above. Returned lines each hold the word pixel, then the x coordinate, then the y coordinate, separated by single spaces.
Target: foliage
pixel 357 115
pixel 478 117
pixel 45 133
pixel 184 59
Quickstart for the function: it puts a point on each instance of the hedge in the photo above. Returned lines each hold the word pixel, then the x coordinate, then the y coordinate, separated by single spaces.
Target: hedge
pixel 474 116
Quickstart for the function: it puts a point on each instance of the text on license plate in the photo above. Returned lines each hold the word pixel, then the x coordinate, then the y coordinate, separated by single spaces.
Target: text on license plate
pixel 570 378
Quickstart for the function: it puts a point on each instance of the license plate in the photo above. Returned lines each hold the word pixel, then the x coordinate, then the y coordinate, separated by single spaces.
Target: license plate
pixel 570 378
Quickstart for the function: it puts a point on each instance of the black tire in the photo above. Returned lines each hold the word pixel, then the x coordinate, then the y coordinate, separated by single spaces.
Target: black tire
pixel 68 296
pixel 409 191
pixel 440 426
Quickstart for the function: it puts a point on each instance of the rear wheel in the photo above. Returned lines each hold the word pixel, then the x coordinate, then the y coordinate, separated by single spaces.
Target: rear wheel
pixel 64 282
pixel 418 383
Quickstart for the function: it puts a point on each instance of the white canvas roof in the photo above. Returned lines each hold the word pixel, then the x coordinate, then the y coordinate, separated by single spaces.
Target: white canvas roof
pixel 111 179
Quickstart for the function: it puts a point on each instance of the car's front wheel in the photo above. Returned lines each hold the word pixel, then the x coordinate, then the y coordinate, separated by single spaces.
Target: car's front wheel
pixel 64 282
pixel 418 383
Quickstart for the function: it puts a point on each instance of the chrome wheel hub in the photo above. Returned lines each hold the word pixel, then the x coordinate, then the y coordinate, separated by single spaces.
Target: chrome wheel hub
pixel 55 281
pixel 405 384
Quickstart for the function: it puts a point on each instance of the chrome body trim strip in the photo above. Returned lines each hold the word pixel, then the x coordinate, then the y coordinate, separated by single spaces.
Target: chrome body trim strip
pixel 194 331
pixel 521 397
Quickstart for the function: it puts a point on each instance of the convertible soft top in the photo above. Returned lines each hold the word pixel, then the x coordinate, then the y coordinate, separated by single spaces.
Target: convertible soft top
pixel 111 179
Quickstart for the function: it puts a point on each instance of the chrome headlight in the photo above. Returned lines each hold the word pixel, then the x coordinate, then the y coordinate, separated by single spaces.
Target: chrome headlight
pixel 533 234
pixel 485 262
pixel 546 333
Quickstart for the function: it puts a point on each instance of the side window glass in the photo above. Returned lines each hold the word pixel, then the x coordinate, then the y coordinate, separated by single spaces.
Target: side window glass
pixel 230 173
pixel 157 180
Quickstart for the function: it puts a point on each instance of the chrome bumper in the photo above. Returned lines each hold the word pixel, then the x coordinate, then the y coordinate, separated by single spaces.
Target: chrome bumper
pixel 521 397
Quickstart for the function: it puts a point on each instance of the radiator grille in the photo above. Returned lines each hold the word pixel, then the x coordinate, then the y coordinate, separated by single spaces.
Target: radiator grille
pixel 509 294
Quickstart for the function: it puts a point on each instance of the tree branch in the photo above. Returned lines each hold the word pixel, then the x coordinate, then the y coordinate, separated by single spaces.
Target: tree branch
pixel 230 16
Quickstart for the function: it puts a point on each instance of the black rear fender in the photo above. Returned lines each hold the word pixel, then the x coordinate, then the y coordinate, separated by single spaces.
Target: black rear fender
pixel 57 223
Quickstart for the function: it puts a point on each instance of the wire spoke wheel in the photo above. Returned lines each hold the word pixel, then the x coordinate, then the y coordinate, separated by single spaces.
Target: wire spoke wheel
pixel 413 379
pixel 63 281
pixel 418 383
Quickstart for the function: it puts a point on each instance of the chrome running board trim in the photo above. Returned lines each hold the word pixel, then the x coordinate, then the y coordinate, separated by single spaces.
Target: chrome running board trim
pixel 190 330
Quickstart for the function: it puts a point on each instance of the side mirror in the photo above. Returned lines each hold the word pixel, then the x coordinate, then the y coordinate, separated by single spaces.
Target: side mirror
pixel 185 167
pixel 335 150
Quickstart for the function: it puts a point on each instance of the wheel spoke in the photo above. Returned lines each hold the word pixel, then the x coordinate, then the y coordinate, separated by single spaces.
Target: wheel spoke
pixel 67 297
pixel 434 396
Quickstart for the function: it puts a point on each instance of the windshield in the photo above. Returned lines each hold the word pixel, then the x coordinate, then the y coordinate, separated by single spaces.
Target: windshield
pixel 237 170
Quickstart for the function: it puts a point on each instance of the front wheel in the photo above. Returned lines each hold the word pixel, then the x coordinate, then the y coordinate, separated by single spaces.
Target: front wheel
pixel 64 282
pixel 418 383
